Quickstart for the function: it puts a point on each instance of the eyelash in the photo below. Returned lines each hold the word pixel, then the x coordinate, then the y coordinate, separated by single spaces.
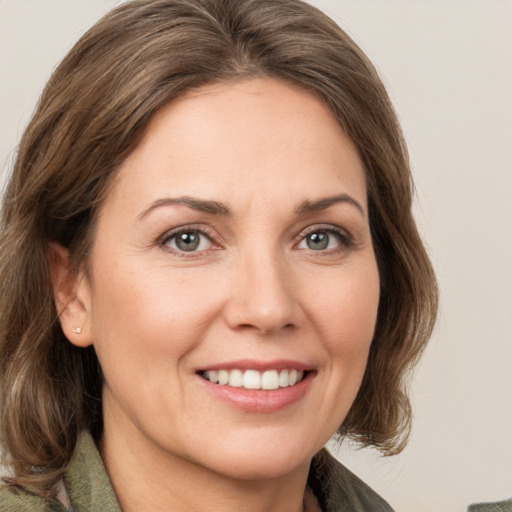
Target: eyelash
pixel 346 241
pixel 170 235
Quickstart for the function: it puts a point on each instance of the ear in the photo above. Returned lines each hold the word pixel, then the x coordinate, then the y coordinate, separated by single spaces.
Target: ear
pixel 71 292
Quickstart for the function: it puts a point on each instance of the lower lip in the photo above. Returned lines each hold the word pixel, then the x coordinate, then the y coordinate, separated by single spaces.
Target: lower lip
pixel 259 400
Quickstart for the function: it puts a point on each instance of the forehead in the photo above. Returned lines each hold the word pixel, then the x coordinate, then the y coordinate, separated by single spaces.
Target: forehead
pixel 233 138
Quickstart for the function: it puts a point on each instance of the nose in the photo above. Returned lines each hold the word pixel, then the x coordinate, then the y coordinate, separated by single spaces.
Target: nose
pixel 262 296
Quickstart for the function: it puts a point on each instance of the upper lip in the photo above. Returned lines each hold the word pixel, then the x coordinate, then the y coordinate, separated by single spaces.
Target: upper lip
pixel 251 364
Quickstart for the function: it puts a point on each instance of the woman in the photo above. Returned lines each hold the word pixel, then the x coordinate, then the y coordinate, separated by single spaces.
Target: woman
pixel 209 267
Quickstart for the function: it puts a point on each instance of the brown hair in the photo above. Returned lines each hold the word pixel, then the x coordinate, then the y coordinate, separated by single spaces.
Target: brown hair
pixel 92 114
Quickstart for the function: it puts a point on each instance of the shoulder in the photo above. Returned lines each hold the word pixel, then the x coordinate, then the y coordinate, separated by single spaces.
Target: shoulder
pixel 15 499
pixel 501 506
pixel 86 484
pixel 339 490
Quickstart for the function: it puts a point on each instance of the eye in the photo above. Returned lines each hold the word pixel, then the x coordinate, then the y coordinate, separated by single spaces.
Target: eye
pixel 190 240
pixel 324 240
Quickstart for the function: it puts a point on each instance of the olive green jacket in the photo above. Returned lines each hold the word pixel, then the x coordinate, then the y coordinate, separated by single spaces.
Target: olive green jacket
pixel 90 490
pixel 501 506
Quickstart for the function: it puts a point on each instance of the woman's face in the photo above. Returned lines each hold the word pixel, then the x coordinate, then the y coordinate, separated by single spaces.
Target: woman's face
pixel 234 245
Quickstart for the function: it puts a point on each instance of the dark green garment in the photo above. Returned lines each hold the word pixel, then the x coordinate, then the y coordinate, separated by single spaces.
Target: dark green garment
pixel 90 490
pixel 501 506
pixel 86 481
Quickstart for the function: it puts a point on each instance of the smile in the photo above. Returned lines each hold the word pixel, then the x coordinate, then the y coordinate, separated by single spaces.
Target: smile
pixel 254 379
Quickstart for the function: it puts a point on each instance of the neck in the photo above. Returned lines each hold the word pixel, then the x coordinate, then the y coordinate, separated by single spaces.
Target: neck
pixel 147 480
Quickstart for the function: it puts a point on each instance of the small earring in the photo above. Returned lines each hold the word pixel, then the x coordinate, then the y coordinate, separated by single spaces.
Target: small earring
pixel 77 330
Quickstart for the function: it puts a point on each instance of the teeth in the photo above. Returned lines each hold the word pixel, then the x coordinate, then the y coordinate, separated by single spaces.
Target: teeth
pixel 236 378
pixel 270 380
pixel 223 377
pixel 283 379
pixel 253 379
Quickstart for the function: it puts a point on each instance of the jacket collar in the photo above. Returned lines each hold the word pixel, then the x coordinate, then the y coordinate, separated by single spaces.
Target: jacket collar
pixel 86 479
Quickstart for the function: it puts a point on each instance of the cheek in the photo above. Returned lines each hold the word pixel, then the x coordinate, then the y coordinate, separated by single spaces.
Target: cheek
pixel 349 313
pixel 144 314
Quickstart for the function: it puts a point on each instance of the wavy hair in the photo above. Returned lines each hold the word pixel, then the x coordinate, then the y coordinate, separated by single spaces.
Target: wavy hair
pixel 89 118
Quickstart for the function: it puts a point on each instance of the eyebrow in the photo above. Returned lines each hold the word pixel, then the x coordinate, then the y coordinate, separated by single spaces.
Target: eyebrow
pixel 216 208
pixel 325 202
pixel 200 205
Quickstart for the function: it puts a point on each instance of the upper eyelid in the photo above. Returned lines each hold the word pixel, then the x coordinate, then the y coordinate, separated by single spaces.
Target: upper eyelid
pixel 164 240
pixel 184 229
pixel 346 240
pixel 169 235
pixel 324 227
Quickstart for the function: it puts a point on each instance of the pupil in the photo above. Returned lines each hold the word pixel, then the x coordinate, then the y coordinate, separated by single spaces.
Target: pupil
pixel 187 241
pixel 318 241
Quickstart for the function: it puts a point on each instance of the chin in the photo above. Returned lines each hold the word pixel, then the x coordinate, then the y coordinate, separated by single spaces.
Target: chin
pixel 262 461
pixel 263 468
